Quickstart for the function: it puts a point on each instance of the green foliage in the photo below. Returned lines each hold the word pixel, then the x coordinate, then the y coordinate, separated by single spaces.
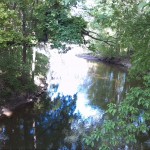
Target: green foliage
pixel 8 20
pixel 56 24
pixel 123 29
pixel 126 120
pixel 48 20
pixel 124 24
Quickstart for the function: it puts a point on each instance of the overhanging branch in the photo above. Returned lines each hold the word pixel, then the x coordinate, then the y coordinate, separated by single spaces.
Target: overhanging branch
pixel 85 32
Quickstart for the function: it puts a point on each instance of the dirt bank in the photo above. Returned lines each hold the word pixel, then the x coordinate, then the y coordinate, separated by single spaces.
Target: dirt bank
pixel 22 100
pixel 125 62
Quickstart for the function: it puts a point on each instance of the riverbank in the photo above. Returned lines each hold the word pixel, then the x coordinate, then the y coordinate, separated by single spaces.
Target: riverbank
pixel 124 62
pixel 24 99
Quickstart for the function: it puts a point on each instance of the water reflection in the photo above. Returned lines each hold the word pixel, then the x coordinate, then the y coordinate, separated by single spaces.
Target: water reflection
pixel 107 84
pixel 40 128
pixel 78 94
pixel 96 84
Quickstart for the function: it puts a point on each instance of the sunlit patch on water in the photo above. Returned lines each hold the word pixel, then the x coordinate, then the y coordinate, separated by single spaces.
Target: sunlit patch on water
pixel 68 74
pixel 92 114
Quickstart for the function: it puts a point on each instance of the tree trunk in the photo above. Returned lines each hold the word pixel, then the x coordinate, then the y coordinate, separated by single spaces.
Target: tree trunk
pixel 24 54
pixel 33 62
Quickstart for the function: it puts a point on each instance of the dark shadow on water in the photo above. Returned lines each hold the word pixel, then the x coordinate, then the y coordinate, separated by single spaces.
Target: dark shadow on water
pixel 42 126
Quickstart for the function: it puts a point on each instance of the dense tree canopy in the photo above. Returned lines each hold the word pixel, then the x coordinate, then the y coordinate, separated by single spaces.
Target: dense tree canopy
pixel 114 28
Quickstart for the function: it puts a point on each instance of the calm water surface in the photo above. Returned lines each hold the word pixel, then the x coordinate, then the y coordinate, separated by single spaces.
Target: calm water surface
pixel 76 100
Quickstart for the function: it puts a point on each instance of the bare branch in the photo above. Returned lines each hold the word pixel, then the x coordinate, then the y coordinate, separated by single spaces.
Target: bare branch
pixel 85 32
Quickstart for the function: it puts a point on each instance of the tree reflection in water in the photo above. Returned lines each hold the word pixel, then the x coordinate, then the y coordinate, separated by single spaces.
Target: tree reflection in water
pixel 41 128
pixel 105 84
pixel 60 122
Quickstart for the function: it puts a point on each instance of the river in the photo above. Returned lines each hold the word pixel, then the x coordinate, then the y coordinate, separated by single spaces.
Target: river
pixel 77 97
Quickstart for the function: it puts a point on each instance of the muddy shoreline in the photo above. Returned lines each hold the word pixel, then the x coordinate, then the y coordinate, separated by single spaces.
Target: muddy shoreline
pixel 22 100
pixel 124 62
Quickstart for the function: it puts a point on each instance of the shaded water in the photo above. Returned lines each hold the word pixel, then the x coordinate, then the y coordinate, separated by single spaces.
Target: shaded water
pixel 76 100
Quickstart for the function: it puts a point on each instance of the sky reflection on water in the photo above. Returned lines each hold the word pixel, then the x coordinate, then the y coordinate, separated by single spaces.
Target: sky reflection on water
pixel 79 92
pixel 74 75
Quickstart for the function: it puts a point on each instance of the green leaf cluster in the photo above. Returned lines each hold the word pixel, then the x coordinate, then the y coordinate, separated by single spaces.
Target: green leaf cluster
pixel 56 24
pixel 8 21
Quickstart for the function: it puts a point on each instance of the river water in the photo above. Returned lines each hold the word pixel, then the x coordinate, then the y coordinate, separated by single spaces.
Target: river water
pixel 77 97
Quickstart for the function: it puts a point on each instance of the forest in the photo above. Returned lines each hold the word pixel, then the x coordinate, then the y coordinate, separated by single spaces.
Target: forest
pixel 109 28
